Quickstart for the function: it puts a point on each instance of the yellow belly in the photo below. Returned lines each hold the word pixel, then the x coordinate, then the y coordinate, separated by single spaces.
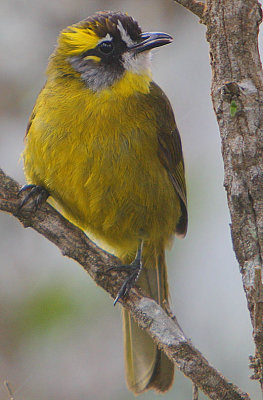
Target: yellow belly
pixel 98 158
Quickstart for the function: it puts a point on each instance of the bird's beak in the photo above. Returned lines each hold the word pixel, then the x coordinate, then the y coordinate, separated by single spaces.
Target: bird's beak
pixel 151 40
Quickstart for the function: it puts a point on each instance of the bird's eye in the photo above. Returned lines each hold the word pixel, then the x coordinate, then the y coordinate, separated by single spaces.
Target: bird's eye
pixel 106 47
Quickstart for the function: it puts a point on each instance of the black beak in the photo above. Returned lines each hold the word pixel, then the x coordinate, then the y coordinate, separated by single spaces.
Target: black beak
pixel 151 40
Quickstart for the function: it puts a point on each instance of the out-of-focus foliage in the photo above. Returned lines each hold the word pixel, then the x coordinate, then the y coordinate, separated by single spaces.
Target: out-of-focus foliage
pixel 60 336
pixel 50 306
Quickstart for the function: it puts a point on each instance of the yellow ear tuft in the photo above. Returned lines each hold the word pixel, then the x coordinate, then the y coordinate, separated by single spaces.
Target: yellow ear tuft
pixel 76 40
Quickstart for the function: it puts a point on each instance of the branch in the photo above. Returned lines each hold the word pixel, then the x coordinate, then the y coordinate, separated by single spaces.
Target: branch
pixel 163 328
pixel 237 94
pixel 196 7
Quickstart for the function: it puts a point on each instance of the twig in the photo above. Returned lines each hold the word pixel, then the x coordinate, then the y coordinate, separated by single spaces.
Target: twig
pixel 8 388
pixel 149 315
pixel 195 392
pixel 196 7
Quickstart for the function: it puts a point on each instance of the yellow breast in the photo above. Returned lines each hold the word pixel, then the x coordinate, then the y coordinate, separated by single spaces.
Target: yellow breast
pixel 97 155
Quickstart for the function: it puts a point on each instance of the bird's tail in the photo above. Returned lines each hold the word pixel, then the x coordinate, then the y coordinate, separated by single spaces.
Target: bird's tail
pixel 147 367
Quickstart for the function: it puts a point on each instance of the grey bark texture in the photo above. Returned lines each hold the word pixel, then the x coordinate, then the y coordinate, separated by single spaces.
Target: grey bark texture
pixel 237 95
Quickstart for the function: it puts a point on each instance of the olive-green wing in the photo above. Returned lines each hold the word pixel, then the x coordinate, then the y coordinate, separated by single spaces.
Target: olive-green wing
pixel 170 151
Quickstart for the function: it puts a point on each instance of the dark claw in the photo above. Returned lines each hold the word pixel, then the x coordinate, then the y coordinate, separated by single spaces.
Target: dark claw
pixel 25 188
pixel 134 269
pixel 127 285
pixel 37 194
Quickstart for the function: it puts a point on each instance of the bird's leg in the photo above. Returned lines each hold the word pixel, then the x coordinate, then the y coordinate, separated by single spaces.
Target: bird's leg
pixel 134 270
pixel 37 194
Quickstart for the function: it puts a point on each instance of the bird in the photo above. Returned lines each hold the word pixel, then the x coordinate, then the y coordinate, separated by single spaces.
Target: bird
pixel 103 144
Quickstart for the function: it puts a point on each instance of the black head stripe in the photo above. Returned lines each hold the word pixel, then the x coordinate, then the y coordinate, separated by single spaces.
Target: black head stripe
pixel 107 22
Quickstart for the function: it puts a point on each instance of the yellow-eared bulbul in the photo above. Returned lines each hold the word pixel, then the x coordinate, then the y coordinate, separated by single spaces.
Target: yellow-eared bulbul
pixel 103 143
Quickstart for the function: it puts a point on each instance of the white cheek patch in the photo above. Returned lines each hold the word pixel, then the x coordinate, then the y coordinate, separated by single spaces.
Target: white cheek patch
pixel 124 35
pixel 138 64
pixel 107 38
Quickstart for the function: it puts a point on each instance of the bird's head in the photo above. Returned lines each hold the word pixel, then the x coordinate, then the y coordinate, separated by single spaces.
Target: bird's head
pixel 102 48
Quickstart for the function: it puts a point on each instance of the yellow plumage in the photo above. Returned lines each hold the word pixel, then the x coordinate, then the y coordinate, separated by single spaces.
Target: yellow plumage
pixel 111 159
pixel 99 148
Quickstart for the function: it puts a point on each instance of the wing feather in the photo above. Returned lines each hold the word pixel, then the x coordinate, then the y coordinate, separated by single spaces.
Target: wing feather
pixel 170 151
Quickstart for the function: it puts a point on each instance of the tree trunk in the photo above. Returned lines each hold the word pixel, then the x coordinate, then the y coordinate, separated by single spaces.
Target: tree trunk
pixel 237 95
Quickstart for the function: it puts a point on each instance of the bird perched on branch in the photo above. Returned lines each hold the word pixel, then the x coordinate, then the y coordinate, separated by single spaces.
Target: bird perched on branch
pixel 103 143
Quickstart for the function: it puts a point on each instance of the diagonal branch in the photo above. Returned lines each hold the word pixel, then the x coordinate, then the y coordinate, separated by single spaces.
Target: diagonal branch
pixel 163 328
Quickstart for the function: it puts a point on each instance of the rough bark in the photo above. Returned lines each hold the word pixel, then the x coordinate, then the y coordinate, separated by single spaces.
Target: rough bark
pixel 163 328
pixel 237 95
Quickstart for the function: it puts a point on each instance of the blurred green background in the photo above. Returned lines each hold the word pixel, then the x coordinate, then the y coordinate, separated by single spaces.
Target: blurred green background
pixel 60 336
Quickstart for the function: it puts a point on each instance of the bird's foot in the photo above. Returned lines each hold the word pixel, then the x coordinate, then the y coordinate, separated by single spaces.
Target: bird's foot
pixel 134 270
pixel 37 194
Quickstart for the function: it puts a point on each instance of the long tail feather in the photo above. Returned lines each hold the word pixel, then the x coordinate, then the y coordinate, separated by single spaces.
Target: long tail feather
pixel 147 367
